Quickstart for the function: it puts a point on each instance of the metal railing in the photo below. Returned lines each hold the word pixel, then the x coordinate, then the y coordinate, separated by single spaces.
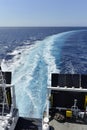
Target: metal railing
pixel 3 97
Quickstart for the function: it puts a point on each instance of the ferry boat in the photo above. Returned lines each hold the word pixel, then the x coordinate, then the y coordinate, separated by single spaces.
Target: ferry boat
pixel 8 112
pixel 66 107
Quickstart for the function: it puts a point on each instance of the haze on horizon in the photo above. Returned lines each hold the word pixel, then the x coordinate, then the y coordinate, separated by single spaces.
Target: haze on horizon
pixel 43 13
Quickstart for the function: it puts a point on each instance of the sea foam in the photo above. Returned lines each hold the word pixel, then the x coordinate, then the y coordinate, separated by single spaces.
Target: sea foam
pixel 31 69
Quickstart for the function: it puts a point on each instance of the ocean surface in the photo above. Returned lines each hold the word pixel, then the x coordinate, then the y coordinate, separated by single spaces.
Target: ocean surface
pixel 33 53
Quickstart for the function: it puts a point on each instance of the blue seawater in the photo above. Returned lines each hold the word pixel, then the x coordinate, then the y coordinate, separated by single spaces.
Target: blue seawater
pixel 32 54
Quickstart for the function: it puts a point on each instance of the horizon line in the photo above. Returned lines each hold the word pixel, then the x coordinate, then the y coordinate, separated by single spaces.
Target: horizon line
pixel 41 26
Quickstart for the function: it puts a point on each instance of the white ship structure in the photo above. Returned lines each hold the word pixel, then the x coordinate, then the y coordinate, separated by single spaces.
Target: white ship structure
pixel 8 112
pixel 66 103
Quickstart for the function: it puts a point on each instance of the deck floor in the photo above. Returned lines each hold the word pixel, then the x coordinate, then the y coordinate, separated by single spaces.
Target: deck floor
pixel 29 124
pixel 66 126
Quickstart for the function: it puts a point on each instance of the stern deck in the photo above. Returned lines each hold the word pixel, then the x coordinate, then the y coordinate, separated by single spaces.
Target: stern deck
pixel 29 124
pixel 55 125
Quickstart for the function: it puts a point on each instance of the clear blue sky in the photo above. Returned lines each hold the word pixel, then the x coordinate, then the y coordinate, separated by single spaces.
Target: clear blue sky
pixel 43 12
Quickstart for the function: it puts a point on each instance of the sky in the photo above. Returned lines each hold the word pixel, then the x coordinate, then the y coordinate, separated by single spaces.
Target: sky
pixel 43 13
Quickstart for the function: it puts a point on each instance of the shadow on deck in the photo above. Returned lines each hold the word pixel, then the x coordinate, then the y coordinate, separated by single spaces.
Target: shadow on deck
pixel 29 124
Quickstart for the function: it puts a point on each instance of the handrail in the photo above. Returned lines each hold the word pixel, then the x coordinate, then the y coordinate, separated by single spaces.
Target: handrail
pixel 68 89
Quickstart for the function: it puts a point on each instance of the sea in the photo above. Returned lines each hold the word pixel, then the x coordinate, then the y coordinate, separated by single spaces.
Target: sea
pixel 32 54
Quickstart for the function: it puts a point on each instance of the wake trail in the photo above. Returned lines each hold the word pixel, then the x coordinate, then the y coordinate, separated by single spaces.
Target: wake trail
pixel 31 72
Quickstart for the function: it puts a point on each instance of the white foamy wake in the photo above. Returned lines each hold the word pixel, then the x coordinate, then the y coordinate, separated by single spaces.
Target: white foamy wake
pixel 31 74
